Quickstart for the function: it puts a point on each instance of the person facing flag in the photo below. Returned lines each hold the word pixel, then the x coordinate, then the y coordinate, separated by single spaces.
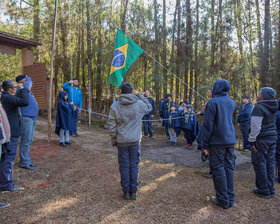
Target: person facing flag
pixel 125 54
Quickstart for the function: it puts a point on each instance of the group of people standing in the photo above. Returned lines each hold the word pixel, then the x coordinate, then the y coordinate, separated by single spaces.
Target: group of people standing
pixel 216 137
pixel 18 116
pixel 19 111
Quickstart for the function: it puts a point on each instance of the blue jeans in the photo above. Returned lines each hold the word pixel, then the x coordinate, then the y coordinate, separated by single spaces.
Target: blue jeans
pixel 264 164
pixel 27 130
pixel 129 158
pixel 147 124
pixel 75 120
pixel 245 130
pixel 7 163
pixel 63 135
pixel 222 162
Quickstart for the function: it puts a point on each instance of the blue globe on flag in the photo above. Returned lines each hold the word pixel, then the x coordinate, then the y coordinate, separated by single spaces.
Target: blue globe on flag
pixel 118 59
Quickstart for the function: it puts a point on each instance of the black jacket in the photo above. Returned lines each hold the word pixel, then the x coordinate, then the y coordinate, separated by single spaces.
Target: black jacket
pixel 11 105
pixel 263 122
pixel 218 126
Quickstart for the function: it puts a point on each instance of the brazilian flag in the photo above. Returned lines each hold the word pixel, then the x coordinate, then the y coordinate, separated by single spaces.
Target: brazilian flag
pixel 125 54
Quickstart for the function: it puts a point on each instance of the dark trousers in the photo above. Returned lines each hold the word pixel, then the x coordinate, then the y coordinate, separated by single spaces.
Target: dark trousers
pixel 264 164
pixel 7 163
pixel 75 120
pixel 245 130
pixel 188 134
pixel 199 139
pixel 277 158
pixel 222 162
pixel 147 125
pixel 129 158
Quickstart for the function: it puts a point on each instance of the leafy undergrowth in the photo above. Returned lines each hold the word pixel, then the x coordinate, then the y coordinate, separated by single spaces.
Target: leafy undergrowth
pixel 79 184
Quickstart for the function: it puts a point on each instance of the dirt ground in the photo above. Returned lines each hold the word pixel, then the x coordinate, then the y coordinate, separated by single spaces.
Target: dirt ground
pixel 81 184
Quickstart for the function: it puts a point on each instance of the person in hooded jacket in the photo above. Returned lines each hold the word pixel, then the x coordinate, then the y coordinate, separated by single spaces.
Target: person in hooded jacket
pixel 218 137
pixel 277 154
pixel 263 138
pixel 244 120
pixel 64 119
pixel 124 124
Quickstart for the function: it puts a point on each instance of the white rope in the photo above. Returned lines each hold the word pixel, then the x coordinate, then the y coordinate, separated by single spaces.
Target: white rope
pixel 175 76
pixel 70 40
pixel 157 120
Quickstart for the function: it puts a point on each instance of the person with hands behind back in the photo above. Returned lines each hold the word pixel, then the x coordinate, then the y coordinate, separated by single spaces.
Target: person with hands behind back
pixel 263 138
pixel 218 137
pixel 124 124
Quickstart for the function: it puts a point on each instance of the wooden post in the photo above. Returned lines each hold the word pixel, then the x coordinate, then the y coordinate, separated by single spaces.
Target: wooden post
pixel 89 102
pixel 51 78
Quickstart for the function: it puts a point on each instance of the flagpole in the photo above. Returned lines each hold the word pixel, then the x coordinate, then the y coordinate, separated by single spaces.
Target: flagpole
pixel 175 75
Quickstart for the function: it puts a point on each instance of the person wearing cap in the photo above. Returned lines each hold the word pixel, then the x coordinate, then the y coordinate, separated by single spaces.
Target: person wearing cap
pixel 277 154
pixel 218 139
pixel 74 97
pixel 124 124
pixel 11 104
pixel 5 134
pixel 263 138
pixel 28 120
pixel 244 120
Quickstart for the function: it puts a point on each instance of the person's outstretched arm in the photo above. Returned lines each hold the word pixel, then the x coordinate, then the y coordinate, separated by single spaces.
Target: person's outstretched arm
pixel 66 85
pixel 148 106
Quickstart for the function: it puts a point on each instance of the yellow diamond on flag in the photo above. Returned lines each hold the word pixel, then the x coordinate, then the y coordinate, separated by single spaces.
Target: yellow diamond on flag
pixel 119 58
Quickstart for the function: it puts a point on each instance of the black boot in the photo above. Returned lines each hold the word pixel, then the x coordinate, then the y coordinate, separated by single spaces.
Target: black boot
pixel 126 195
pixel 133 196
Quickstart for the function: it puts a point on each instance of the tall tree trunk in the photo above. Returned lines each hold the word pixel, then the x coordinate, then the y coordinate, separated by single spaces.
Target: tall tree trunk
pixel 189 52
pixel 156 51
pixel 196 75
pixel 89 58
pixel 265 74
pixel 238 24
pixel 178 59
pixel 84 88
pixel 123 14
pixel 222 39
pixel 164 51
pixel 99 63
pixel 172 61
pixel 36 25
pixel 212 37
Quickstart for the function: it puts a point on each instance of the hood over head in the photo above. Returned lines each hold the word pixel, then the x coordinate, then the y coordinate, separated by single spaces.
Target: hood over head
pixel 221 88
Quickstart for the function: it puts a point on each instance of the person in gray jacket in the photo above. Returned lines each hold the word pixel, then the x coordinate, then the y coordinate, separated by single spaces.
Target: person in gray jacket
pixel 124 124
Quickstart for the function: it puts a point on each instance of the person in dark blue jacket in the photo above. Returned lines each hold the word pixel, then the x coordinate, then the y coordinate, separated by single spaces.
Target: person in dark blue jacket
pixel 64 118
pixel 189 125
pixel 244 120
pixel 263 137
pixel 218 137
pixel 147 119
pixel 173 124
pixel 168 102
pixel 277 154
pixel 11 104
pixel 28 121
pixel 75 97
